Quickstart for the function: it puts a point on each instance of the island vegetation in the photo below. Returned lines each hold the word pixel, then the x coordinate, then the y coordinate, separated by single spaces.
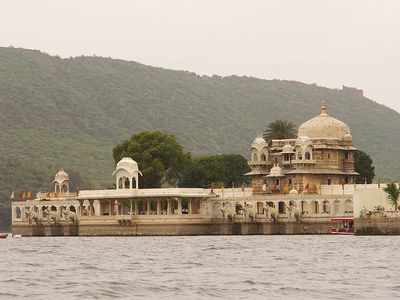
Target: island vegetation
pixel 163 162
pixel 71 112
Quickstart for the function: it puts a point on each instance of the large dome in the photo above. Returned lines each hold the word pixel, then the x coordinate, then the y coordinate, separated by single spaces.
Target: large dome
pixel 324 127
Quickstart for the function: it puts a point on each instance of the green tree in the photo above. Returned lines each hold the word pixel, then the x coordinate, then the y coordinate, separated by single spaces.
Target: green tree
pixel 393 193
pixel 279 129
pixel 159 156
pixel 364 166
pixel 227 169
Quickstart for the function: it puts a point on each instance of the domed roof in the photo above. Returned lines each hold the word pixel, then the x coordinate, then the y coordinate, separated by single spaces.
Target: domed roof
pixel 276 171
pixel 324 127
pixel 61 176
pixel 259 141
pixel 287 149
pixel 127 164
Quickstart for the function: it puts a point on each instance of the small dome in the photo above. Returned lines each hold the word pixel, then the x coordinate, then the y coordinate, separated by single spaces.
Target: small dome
pixel 128 165
pixel 348 137
pixel 61 176
pixel 324 127
pixel 287 149
pixel 276 171
pixel 259 141
pixel 303 141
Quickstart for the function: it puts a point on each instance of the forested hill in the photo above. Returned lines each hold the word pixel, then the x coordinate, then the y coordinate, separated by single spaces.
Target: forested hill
pixel 70 112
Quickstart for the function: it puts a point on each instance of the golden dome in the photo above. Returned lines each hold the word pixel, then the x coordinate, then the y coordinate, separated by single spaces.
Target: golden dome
pixel 324 127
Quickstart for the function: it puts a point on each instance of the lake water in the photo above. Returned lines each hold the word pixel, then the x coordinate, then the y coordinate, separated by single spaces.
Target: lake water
pixel 205 267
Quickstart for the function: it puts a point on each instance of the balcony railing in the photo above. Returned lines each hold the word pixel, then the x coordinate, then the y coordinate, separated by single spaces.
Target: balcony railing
pixel 259 163
pixel 305 161
pixel 52 195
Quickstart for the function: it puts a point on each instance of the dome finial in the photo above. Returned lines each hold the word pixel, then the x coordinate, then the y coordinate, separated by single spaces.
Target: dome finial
pixel 324 109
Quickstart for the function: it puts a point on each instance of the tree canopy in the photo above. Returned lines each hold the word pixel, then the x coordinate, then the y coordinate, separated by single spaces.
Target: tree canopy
pixel 279 129
pixel 364 166
pixel 158 154
pixel 393 193
pixel 206 171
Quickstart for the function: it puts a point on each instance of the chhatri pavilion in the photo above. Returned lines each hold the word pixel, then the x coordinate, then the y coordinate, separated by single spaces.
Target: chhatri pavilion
pixel 322 154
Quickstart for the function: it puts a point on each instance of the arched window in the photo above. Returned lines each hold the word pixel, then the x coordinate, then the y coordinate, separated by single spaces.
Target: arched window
pixel 281 207
pixel 325 207
pixel 308 155
pixel 64 188
pixel 18 213
pixel 299 155
pixel 254 156
pixel 263 157
pixel 120 183
pixel 127 183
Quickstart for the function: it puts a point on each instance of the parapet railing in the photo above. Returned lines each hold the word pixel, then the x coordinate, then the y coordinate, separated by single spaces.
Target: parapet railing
pixel 348 188
pixel 53 195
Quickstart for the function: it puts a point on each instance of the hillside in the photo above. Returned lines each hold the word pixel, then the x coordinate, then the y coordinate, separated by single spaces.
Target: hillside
pixel 70 112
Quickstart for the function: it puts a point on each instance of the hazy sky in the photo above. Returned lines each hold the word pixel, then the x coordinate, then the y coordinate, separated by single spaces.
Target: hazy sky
pixel 331 43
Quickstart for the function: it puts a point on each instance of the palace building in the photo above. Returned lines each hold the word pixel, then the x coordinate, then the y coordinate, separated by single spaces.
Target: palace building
pixel 298 186
pixel 322 154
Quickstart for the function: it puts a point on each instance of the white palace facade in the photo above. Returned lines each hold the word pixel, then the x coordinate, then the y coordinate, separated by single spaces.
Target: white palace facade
pixel 298 185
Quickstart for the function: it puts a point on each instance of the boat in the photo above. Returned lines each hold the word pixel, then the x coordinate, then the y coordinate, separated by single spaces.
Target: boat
pixel 342 226
pixel 4 235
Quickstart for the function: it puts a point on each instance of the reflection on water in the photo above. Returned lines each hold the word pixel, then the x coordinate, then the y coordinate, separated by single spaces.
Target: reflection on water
pixel 239 267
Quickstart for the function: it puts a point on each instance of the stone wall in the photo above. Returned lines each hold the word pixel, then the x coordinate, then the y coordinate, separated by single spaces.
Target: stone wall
pixel 377 226
pixel 46 230
pixel 215 228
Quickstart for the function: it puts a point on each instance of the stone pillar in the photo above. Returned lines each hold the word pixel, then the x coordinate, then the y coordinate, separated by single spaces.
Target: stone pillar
pixel 179 206
pixel 168 207
pixel 77 210
pixel 158 207
pixel 130 207
pixel 130 183
pixel 115 208
pixel 148 207
pixel 190 206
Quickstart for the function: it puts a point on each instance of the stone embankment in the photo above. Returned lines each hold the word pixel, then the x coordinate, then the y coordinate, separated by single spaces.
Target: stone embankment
pixel 377 225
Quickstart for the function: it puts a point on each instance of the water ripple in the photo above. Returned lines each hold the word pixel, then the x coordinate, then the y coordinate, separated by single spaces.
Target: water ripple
pixel 236 267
